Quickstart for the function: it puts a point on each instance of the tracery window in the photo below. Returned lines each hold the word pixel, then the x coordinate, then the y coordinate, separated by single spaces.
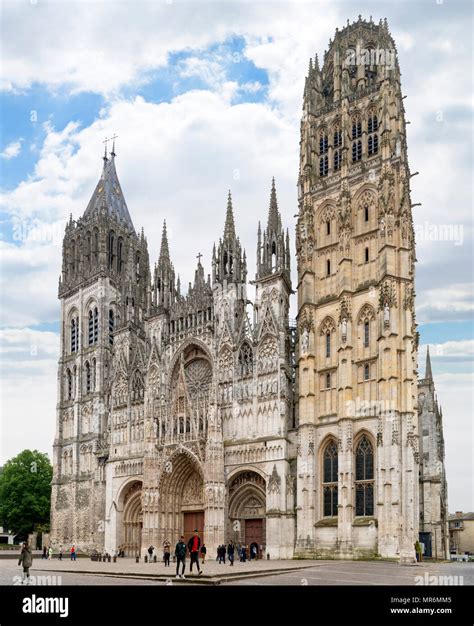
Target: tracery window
pixel 372 136
pixel 74 334
pixel 111 326
pixel 364 477
pixel 330 470
pixel 366 334
pixel 93 326
pixel 356 139
pixel 88 377
pixel 69 384
pixel 337 141
pixel 245 360
pixel 323 165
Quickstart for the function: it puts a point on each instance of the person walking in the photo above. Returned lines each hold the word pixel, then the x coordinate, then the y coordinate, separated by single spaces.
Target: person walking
pixel 180 552
pixel 60 557
pixel 203 553
pixel 224 550
pixel 419 552
pixel 45 553
pixel 26 560
pixel 50 554
pixel 193 546
pixel 230 552
pixel 244 554
pixel 73 553
pixel 166 552
pixel 253 550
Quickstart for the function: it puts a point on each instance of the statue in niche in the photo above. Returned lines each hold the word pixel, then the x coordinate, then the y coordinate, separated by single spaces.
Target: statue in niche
pixel 305 341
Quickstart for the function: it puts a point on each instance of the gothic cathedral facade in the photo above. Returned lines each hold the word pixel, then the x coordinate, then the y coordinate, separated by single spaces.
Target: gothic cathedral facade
pixel 207 411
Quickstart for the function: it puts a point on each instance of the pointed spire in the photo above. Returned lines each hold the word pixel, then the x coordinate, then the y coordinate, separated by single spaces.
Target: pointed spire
pixel 428 372
pixel 229 228
pixel 165 250
pixel 274 220
pixel 108 195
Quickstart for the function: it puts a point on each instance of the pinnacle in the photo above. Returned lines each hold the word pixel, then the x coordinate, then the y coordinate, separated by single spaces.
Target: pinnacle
pixel 229 228
pixel 428 372
pixel 164 251
pixel 274 220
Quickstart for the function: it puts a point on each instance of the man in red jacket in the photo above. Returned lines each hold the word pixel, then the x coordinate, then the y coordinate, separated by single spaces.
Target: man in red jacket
pixel 193 546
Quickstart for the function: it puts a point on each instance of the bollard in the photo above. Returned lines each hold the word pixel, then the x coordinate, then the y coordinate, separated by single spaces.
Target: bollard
pixel 137 559
pixel 268 556
pixel 146 559
pixel 100 557
pixel 154 559
pixel 109 558
pixel 115 559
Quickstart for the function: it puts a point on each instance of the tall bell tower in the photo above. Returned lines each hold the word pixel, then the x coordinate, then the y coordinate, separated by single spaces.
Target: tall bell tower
pixel 103 293
pixel 358 434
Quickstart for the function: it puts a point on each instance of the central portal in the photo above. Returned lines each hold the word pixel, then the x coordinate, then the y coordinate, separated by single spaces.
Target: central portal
pixel 193 520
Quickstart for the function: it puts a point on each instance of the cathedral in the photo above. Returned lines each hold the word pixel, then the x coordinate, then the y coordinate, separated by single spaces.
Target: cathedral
pixel 183 409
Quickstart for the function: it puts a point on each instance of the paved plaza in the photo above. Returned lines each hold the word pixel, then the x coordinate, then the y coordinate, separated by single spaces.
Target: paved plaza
pixel 127 572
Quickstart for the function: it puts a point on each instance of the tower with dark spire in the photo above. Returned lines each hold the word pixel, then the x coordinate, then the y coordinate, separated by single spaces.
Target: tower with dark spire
pixel 103 290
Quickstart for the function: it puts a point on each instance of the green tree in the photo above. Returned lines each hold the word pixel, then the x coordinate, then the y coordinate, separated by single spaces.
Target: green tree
pixel 25 492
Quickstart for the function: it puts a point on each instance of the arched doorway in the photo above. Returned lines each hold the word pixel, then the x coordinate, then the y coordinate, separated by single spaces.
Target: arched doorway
pixel 247 507
pixel 181 498
pixel 132 519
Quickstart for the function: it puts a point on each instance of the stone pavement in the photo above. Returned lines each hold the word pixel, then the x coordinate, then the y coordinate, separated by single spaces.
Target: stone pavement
pixel 127 572
pixel 213 573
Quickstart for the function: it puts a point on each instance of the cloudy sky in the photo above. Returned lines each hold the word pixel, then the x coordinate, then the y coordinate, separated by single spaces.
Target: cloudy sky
pixel 206 96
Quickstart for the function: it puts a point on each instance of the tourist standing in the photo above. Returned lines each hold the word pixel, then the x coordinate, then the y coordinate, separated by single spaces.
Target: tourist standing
pixel 150 553
pixel 45 553
pixel 60 557
pixel 180 552
pixel 73 553
pixel 244 554
pixel 419 552
pixel 166 552
pixel 230 552
pixel 50 553
pixel 193 546
pixel 203 553
pixel 26 560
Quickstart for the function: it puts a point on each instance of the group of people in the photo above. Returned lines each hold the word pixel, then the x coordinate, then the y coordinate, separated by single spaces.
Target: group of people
pixel 222 550
pixel 48 553
pixel 193 547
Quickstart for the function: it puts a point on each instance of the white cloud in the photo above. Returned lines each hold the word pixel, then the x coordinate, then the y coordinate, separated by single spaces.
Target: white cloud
pixel 445 303
pixel 12 150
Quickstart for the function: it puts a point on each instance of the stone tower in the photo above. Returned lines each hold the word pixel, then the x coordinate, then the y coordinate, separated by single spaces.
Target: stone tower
pixel 358 455
pixel 102 290
pixel 433 486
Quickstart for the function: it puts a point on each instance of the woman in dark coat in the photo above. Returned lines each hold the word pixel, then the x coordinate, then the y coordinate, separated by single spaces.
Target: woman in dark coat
pixel 26 559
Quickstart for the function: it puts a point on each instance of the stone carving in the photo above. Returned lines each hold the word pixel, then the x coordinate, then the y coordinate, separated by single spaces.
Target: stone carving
pixel 274 482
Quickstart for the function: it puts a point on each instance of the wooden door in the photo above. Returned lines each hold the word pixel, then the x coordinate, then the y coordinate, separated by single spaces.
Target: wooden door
pixel 193 520
pixel 254 532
